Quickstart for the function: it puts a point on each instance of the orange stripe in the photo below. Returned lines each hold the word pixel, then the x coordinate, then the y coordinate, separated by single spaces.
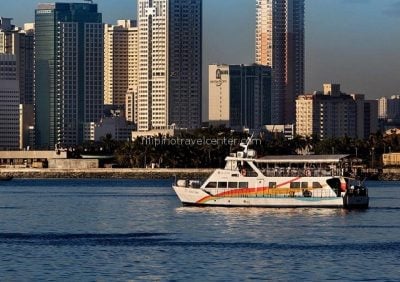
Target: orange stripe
pixel 203 199
pixel 245 191
pixel 287 182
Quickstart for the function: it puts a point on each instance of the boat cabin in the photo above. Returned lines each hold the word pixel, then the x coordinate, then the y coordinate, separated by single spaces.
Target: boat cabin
pixel 291 165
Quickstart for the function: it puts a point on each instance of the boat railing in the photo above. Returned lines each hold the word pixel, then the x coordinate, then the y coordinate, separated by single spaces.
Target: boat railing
pixel 284 172
pixel 357 191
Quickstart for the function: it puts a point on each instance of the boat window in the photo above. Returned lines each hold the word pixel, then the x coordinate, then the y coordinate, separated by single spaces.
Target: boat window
pixel 232 184
pixel 304 184
pixel 194 183
pixel 243 184
pixel 247 171
pixel 272 185
pixel 231 165
pixel 222 185
pixel 335 184
pixel 316 185
pixel 211 185
pixel 295 185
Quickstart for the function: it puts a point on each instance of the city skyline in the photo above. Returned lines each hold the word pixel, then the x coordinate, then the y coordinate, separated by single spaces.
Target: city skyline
pixel 350 42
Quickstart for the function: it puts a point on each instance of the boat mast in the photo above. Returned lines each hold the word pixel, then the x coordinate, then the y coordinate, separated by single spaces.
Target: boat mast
pixel 246 146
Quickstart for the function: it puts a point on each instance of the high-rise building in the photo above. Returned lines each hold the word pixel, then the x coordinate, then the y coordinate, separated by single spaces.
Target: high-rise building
pixel 389 108
pixel 120 61
pixel 280 45
pixel 185 63
pixel 116 126
pixel 170 62
pixel 26 126
pixel 383 108
pixel 367 116
pixel 17 41
pixel 68 72
pixel 6 40
pixel 327 114
pixel 239 96
pixel 9 102
pixel 131 103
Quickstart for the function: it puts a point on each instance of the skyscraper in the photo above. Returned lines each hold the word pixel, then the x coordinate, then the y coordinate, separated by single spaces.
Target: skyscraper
pixel 9 102
pixel 185 63
pixel 68 72
pixel 120 61
pixel 280 45
pixel 367 116
pixel 239 96
pixel 327 114
pixel 17 41
pixel 389 108
pixel 170 40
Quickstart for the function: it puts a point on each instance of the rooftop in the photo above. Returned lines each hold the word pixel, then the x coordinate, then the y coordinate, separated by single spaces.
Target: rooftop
pixel 302 159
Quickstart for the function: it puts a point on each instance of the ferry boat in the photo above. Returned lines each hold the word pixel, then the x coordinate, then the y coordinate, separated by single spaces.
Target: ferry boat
pixel 277 182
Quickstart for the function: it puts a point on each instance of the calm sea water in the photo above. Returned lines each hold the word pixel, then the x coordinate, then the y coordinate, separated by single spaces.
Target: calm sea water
pixel 128 230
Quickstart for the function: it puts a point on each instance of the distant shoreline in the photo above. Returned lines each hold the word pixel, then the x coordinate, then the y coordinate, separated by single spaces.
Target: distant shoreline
pixel 141 173
pixel 111 173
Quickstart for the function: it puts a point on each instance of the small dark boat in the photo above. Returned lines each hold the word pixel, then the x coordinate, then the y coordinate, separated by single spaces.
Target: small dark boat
pixel 6 177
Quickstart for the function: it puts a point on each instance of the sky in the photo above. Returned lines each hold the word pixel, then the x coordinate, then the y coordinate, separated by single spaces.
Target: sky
pixel 352 42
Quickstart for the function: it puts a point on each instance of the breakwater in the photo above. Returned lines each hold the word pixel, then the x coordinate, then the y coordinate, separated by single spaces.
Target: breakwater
pixel 117 173
pixel 147 173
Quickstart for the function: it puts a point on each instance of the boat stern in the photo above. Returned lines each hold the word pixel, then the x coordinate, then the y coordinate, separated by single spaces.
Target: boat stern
pixel 356 198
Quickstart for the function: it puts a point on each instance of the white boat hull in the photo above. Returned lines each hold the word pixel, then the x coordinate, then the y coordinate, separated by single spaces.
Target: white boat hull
pixel 278 182
pixel 198 197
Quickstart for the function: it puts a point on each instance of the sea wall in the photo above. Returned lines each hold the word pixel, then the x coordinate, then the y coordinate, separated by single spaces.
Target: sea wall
pixel 73 163
pixel 140 173
pixel 136 173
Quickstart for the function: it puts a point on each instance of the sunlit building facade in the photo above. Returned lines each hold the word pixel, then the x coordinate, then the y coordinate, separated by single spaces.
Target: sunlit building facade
pixel 389 108
pixel 325 116
pixel 331 114
pixel 120 60
pixel 131 105
pixel 280 45
pixel 170 60
pixel 239 96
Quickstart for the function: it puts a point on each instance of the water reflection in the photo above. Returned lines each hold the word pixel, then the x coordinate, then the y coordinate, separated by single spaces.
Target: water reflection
pixel 270 212
pixel 138 231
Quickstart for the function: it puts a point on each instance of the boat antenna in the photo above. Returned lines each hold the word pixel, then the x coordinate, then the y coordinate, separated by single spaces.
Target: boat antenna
pixel 246 146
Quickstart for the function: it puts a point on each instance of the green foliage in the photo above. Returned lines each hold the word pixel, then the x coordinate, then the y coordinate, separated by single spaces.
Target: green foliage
pixel 193 150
